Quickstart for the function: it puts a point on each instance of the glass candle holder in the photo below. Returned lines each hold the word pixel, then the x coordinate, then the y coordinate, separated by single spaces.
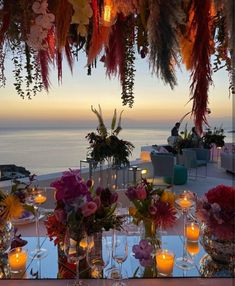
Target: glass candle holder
pixel 165 262
pixel 192 231
pixel 17 259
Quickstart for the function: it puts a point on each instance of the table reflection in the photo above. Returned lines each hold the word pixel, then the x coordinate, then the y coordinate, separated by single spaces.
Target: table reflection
pixel 48 268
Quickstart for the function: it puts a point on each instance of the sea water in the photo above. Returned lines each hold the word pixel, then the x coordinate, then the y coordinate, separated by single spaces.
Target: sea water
pixel 43 151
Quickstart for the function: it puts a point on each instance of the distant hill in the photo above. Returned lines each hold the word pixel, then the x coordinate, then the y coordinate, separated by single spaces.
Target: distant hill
pixel 11 171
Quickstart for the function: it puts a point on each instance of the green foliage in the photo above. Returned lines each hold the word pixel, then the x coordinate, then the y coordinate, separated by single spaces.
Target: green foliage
pixel 107 146
pixel 215 136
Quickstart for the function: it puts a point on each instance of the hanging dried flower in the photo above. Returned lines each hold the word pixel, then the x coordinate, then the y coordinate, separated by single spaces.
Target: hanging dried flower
pixel 201 67
pixel 163 44
pixel 127 73
pixel 42 25
pixel 81 16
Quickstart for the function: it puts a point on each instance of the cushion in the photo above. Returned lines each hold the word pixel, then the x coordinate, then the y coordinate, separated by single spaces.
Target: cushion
pixel 180 175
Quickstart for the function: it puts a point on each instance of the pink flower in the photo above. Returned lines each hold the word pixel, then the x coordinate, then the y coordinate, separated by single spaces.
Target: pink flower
pixel 97 201
pixel 141 193
pixel 89 208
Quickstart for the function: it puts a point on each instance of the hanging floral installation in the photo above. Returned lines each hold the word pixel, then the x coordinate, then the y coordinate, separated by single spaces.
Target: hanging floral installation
pixel 38 34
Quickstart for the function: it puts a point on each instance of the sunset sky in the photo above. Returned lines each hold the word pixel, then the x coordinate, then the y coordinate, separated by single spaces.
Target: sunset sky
pixel 69 104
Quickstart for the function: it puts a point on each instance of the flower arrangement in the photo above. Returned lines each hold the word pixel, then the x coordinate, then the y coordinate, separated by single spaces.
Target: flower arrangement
pixel 80 208
pixel 217 211
pixel 12 204
pixel 215 136
pixel 152 204
pixel 105 146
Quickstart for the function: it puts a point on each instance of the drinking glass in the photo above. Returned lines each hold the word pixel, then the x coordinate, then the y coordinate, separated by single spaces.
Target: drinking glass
pixel 37 197
pixel 76 251
pixel 185 201
pixel 120 252
pixel 98 256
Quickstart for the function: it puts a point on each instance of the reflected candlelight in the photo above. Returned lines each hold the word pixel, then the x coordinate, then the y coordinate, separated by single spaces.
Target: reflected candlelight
pixel 192 247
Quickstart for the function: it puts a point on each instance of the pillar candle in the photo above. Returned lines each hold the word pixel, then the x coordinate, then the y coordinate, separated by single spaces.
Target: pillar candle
pixel 192 231
pixel 165 262
pixel 17 259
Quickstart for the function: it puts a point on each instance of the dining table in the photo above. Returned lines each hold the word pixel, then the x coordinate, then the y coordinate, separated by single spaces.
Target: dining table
pixel 47 269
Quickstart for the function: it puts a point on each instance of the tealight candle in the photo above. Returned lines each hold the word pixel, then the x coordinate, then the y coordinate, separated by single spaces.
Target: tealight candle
pixel 17 259
pixel 165 262
pixel 192 247
pixel 192 231
pixel 83 243
pixel 40 199
pixel 184 202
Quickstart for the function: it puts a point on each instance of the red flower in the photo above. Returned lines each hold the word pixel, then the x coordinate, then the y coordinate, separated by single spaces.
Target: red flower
pixel 165 214
pixel 222 195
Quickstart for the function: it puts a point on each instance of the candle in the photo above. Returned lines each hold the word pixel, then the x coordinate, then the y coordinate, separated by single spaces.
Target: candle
pixel 192 231
pixel 40 199
pixel 184 203
pixel 17 259
pixel 165 262
pixel 192 247
pixel 83 243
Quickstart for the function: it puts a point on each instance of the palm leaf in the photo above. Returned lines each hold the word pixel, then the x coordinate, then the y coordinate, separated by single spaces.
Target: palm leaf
pixel 119 128
pixel 114 119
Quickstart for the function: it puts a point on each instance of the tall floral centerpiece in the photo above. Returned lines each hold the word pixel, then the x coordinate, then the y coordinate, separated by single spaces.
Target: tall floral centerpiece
pixel 106 146
pixel 216 210
pixel 81 208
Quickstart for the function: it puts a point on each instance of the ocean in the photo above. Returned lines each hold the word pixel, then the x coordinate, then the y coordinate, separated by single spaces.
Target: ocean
pixel 43 151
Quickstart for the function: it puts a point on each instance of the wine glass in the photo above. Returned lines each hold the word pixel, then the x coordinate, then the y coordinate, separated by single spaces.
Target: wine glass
pixel 37 197
pixel 185 201
pixel 98 256
pixel 120 252
pixel 76 251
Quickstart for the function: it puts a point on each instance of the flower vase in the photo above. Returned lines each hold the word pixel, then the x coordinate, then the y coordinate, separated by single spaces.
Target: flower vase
pixel 221 251
pixel 6 235
pixel 150 234
pixel 67 267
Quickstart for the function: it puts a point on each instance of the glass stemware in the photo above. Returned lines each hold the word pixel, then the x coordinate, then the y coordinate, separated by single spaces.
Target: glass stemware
pixel 98 255
pixel 120 252
pixel 185 201
pixel 76 251
pixel 37 197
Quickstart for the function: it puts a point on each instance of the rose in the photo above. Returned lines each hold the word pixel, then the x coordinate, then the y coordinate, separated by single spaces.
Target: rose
pixel 89 208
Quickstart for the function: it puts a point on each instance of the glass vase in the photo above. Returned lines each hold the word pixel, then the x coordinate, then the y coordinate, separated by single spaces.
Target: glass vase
pixel 221 251
pixel 6 235
pixel 151 234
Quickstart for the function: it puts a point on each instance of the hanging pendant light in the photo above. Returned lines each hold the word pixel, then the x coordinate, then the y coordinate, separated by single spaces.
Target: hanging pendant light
pixel 109 14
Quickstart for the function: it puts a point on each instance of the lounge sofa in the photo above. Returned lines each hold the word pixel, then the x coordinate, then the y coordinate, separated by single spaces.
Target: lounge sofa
pixel 228 161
